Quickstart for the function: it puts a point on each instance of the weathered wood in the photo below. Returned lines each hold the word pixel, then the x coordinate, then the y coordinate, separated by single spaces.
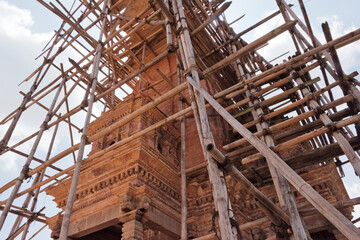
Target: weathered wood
pixel 236 174
pixel 349 152
pixel 249 47
pixel 305 137
pixel 303 27
pixel 25 169
pixel 211 18
pixel 93 76
pixel 24 214
pixel 326 209
pixel 184 234
pixel 165 10
pixel 218 185
pixel 350 37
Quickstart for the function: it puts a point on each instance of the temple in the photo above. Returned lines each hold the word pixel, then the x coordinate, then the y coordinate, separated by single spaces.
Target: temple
pixel 213 141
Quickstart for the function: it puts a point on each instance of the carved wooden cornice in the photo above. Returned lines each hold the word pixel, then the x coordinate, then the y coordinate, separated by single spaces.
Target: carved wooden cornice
pixel 119 178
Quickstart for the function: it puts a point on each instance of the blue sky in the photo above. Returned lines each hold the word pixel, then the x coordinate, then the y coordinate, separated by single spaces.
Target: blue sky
pixel 26 26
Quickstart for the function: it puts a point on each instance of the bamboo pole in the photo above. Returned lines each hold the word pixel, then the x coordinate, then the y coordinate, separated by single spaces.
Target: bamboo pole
pixel 26 99
pixel 94 75
pixel 22 228
pixel 236 174
pixel 41 177
pixel 260 41
pixel 275 128
pixel 213 16
pixel 243 33
pixel 293 105
pixel 344 144
pixel 302 138
pixel 24 214
pixel 102 133
pixel 306 30
pixel 108 149
pixel 182 163
pixel 350 37
pixel 204 132
pixel 326 209
pixel 25 169
pixel 282 187
pixel 165 10
pixel 276 99
pixel 345 85
pixel 272 86
pixel 38 231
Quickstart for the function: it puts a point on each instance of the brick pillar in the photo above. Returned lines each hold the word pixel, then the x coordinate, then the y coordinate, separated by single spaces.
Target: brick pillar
pixel 132 228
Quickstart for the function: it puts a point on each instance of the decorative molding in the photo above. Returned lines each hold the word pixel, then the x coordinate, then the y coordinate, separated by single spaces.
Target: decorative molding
pixel 119 179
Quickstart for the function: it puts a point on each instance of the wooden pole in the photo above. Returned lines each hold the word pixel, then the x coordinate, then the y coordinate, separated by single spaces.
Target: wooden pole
pixel 37 179
pixel 326 209
pixel 282 187
pixel 26 99
pixel 236 174
pixel 165 10
pixel 219 188
pixel 116 125
pixel 344 144
pixel 303 27
pixel 260 41
pixel 25 169
pixel 211 18
pixel 345 85
pixel 41 177
pixel 182 163
pixel 305 57
pixel 94 74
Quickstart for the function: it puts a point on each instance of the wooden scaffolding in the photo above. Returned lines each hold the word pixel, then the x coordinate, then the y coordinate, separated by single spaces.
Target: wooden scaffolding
pixel 274 123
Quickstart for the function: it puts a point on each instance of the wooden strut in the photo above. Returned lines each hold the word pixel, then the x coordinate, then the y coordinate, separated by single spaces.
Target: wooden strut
pixel 94 75
pixel 204 132
pixel 326 209
pixel 37 179
pixel 116 125
pixel 344 144
pixel 26 99
pixel 282 187
pixel 237 175
pixel 198 112
pixel 25 169
pixel 350 36
pixel 345 85
pixel 279 126
pixel 184 233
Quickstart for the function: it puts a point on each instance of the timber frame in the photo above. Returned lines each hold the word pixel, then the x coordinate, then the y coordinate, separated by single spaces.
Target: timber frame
pixel 184 54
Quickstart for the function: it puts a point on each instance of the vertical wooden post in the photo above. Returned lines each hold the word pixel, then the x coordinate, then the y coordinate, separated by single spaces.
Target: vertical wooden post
pixel 182 162
pixel 345 85
pixel 219 189
pixel 324 207
pixel 41 177
pixel 25 169
pixel 343 143
pixel 303 27
pixel 83 141
pixel 27 97
pixel 286 199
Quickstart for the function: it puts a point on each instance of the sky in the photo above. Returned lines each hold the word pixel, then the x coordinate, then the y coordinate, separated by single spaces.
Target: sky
pixel 26 27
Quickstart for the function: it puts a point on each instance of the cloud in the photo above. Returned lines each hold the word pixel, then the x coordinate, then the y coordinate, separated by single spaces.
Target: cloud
pixel 350 54
pixel 18 46
pixel 15 23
